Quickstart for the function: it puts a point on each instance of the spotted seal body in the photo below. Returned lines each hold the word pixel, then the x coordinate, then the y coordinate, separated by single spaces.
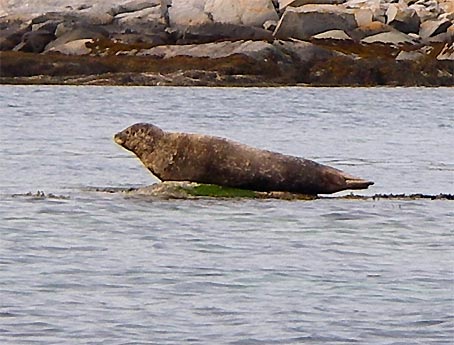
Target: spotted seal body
pixel 213 160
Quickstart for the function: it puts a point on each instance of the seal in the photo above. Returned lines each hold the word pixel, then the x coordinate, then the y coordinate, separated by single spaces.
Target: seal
pixel 172 156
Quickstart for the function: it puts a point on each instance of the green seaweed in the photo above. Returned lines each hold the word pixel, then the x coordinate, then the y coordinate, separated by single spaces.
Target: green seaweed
pixel 212 190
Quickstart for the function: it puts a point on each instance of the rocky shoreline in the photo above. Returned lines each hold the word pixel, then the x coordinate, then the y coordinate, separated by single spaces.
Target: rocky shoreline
pixel 228 43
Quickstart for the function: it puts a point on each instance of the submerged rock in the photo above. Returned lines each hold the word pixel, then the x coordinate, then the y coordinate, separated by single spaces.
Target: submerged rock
pixel 192 190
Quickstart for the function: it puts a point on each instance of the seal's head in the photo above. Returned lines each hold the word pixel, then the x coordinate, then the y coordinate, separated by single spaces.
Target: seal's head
pixel 139 137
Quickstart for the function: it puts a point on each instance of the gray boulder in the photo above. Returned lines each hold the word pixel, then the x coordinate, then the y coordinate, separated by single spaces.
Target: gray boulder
pixel 241 12
pixel 212 32
pixel 306 21
pixel 395 38
pixel 133 6
pixel 148 20
pixel 403 18
pixel 183 13
pixel 304 52
pixel 77 47
pixel 89 32
pixel 414 55
pixel 432 28
pixel 35 41
pixel 11 34
pixel 332 35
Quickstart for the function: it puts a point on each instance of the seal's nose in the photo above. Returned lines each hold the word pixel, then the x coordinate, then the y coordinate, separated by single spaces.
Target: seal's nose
pixel 118 139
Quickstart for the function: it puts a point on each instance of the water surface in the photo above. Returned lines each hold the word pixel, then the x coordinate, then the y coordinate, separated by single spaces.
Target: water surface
pixel 100 268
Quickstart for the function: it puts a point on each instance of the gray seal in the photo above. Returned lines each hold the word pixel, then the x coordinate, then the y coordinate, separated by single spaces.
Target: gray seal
pixel 172 156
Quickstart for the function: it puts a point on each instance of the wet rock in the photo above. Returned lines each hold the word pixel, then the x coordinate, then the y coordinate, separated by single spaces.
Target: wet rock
pixel 35 41
pixel 241 12
pixel 403 18
pixel 395 38
pixel 306 21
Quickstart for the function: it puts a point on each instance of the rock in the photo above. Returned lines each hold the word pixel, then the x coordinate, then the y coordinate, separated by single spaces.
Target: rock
pixel 297 3
pixel 133 6
pixel 35 41
pixel 333 35
pixel 150 40
pixel 193 190
pixel 77 47
pixel 145 21
pixel 428 10
pixel 258 50
pixel 95 16
pixel 306 21
pixel 375 6
pixel 188 12
pixel 433 28
pixel 364 17
pixel 270 25
pixel 212 32
pixel 241 12
pixel 304 52
pixel 447 53
pixel 414 55
pixel 447 5
pixel 369 30
pixel 11 34
pixel 403 18
pixel 89 32
pixel 395 38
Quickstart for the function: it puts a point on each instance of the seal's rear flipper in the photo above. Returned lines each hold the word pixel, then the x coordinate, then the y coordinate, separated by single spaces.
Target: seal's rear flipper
pixel 357 183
